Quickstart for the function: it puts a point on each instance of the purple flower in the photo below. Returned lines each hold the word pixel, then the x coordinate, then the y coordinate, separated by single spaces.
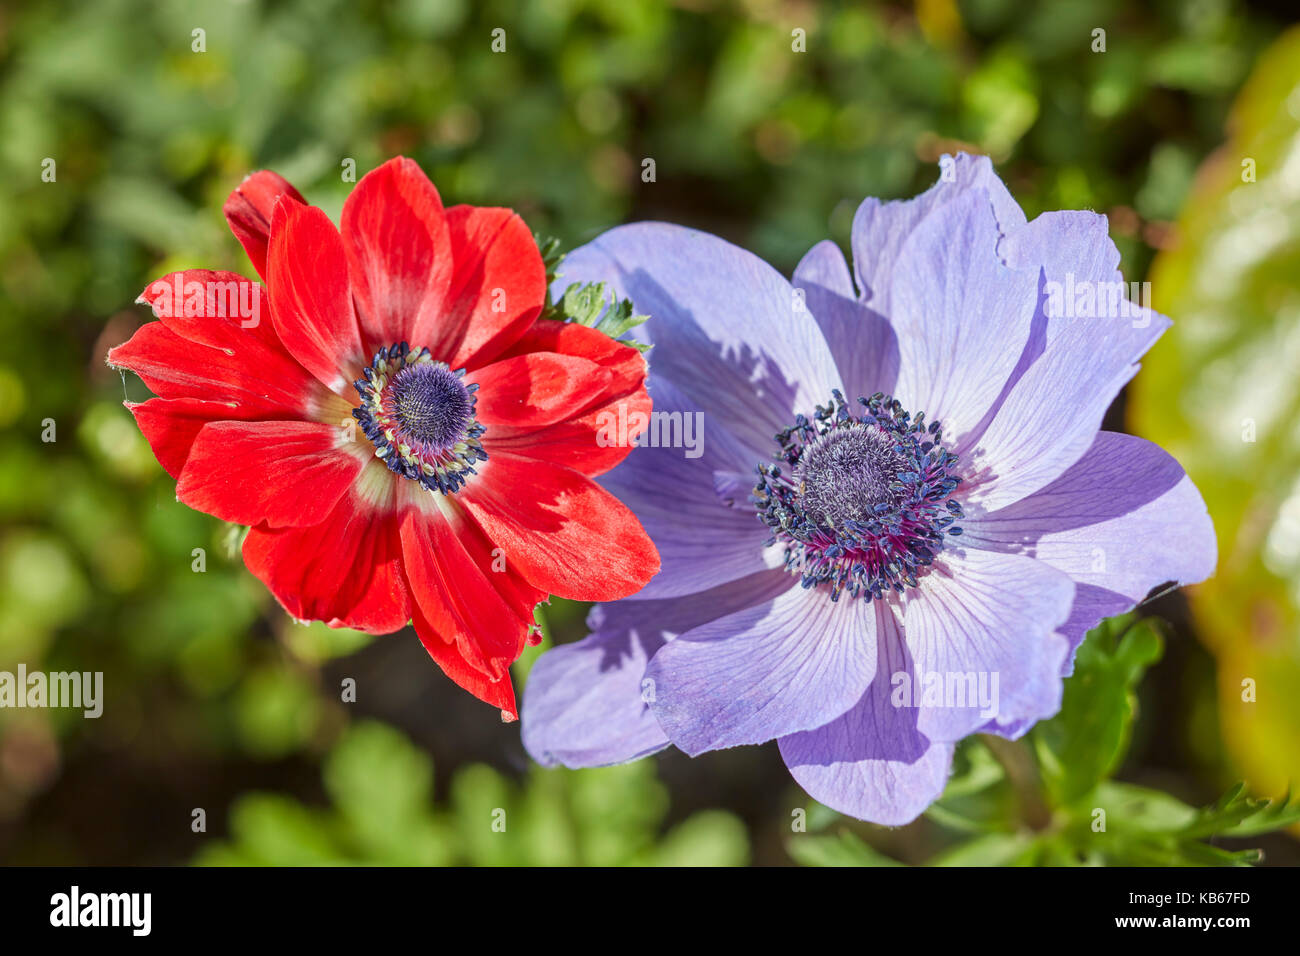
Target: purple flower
pixel 916 554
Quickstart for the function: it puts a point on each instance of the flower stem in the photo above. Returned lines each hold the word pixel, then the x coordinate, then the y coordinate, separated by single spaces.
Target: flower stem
pixel 1022 772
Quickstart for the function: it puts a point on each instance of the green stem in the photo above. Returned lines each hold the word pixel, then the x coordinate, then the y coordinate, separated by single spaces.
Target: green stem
pixel 1022 772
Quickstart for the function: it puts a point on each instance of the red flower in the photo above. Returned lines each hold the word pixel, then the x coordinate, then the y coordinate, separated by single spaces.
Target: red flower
pixel 405 437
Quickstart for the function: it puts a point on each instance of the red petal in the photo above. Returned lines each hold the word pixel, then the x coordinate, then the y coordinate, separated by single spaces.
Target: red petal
pixel 398 250
pixel 310 298
pixel 537 389
pixel 507 579
pixel 225 311
pixel 499 693
pixel 249 210
pixel 568 338
pixel 345 571
pixel 591 444
pixel 566 534
pixel 497 288
pixel 171 424
pixel 458 595
pixel 282 474
pixel 583 442
pixel 174 367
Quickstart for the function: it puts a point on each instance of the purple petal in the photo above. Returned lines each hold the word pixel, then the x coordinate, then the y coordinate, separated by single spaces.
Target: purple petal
pixel 980 629
pixel 727 328
pixel 682 503
pixel 583 703
pixel 962 317
pixel 864 346
pixel 1042 696
pixel 872 762
pixel 1121 520
pixel 791 664
pixel 881 229
pixel 1091 605
pixel 1049 418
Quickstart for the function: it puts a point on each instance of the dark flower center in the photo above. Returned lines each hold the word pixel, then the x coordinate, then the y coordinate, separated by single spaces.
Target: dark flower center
pixel 846 474
pixel 431 403
pixel 866 504
pixel 420 415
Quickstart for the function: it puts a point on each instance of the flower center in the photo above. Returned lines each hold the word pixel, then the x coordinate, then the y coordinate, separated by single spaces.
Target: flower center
pixel 420 416
pixel 866 504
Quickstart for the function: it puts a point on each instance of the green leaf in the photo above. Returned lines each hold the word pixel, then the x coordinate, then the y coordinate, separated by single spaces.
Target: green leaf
pixel 1237 815
pixel 383 812
pixel 274 830
pixel 1145 827
pixel 1133 807
pixel 377 778
pixel 709 838
pixel 592 306
pixel 552 256
pixel 978 797
pixel 583 304
pixel 1086 742
pixel 994 849
pixel 843 849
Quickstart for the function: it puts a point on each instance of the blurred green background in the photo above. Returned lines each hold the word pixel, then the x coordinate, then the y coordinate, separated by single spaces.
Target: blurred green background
pixel 215 701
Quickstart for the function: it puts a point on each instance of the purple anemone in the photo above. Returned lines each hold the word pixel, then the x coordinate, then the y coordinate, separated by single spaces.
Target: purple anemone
pixel 902 517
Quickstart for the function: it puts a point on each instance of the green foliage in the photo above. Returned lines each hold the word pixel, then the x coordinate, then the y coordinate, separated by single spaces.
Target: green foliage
pixel 1053 802
pixel 1086 742
pixel 591 305
pixel 587 304
pixel 842 849
pixel 382 812
pixel 552 252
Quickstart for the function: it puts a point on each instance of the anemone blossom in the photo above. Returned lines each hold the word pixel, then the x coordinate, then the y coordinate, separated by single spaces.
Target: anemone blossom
pixel 905 516
pixel 404 436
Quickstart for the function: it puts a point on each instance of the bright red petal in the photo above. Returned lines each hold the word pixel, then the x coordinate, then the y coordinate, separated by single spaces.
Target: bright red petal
pixel 566 534
pixel 591 444
pixel 174 367
pixel 222 310
pixel 568 338
pixel 249 210
pixel 537 389
pixel 281 474
pixel 170 425
pixel 345 571
pixel 398 251
pixel 497 289
pixel 446 654
pixel 458 595
pixel 508 580
pixel 596 435
pixel 311 301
